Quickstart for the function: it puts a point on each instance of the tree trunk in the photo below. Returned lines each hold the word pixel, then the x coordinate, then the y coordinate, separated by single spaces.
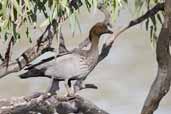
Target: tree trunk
pixel 161 84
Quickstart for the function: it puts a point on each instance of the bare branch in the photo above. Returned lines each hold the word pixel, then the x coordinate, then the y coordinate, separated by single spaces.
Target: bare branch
pixel 8 51
pixel 1 58
pixel 62 46
pixel 150 13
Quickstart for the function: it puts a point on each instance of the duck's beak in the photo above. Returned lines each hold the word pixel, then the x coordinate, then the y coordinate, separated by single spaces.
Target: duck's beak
pixel 109 31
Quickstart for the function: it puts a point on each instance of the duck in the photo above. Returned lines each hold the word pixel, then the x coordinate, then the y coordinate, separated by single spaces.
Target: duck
pixel 73 65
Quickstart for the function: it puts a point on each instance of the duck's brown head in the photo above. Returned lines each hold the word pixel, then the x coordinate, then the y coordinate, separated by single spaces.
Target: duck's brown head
pixel 98 29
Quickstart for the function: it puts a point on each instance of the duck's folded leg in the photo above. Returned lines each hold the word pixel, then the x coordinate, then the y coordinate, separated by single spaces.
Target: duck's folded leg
pixel 80 86
pixel 68 88
pixel 54 86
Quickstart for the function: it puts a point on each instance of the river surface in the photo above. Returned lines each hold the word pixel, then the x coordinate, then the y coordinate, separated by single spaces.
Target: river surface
pixel 124 77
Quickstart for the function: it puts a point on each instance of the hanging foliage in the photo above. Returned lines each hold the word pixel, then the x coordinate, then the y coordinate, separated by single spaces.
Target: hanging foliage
pixel 15 14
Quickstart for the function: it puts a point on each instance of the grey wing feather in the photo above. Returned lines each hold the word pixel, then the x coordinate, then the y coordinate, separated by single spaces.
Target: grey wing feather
pixel 34 73
pixel 67 66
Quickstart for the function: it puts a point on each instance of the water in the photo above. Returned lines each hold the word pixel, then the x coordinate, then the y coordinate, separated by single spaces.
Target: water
pixel 124 77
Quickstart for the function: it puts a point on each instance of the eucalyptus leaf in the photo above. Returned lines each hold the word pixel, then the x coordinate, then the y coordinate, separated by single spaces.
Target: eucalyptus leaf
pixel 151 31
pixel 147 24
pixel 159 18
pixel 17 7
pixel 153 19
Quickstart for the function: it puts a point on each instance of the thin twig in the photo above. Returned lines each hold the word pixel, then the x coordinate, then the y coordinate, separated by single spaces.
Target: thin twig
pixel 1 58
pixel 8 52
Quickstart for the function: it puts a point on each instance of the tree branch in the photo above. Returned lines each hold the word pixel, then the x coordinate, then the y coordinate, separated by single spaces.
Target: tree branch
pixel 47 104
pixel 150 13
pixel 1 58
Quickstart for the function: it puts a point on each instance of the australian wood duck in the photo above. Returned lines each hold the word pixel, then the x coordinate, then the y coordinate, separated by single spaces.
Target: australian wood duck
pixel 74 65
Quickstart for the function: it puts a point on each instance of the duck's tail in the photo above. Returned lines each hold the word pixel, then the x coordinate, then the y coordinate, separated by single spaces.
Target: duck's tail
pixel 33 73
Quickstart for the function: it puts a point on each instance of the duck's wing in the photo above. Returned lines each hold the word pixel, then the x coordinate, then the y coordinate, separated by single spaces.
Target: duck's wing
pixel 39 69
pixel 31 66
pixel 34 73
pixel 33 70
pixel 43 61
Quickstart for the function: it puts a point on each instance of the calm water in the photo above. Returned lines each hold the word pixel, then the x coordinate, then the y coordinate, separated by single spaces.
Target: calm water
pixel 123 78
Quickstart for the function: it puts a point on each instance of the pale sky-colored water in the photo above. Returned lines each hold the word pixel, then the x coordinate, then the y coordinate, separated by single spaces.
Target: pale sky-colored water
pixel 124 77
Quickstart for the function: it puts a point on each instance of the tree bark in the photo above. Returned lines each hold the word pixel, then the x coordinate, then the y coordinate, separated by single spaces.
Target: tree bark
pixel 161 84
pixel 47 104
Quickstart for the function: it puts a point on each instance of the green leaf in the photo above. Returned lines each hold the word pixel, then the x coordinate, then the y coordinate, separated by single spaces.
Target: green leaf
pixel 88 5
pixel 155 1
pixel 151 32
pixel 28 35
pixel 153 19
pixel 115 12
pixel 4 8
pixel 138 5
pixel 6 36
pixel 16 5
pixel 126 1
pixel 147 24
pixel 50 3
pixel 0 6
pixel 27 4
pixel 159 18
pixel 14 31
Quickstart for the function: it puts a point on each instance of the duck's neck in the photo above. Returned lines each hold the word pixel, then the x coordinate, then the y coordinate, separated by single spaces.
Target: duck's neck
pixel 94 44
